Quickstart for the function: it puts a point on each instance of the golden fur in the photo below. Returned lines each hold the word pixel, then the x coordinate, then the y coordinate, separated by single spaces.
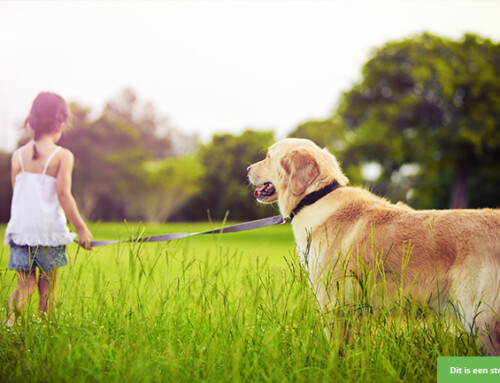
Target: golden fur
pixel 453 255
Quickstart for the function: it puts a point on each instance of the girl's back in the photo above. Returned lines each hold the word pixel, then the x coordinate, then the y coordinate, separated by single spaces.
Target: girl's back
pixel 36 166
pixel 36 214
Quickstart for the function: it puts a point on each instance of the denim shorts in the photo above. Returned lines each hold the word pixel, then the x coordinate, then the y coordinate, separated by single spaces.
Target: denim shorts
pixel 27 258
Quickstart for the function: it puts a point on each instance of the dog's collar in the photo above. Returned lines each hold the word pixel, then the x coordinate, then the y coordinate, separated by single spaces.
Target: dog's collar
pixel 314 197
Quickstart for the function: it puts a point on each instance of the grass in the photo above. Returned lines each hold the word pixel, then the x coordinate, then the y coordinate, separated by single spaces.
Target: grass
pixel 218 308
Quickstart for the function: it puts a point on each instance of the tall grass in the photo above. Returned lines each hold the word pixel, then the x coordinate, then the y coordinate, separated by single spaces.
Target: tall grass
pixel 214 309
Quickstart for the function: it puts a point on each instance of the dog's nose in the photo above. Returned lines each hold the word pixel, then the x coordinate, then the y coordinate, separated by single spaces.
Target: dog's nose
pixel 248 169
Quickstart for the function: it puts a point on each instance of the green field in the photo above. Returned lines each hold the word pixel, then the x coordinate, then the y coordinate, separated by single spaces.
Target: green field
pixel 214 308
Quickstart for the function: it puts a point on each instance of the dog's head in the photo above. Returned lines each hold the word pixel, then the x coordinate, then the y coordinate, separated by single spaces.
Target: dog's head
pixel 292 169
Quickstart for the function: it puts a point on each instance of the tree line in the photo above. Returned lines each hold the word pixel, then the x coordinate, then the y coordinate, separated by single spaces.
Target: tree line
pixel 424 118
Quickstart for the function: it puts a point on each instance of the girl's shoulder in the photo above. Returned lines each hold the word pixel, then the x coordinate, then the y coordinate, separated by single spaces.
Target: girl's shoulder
pixel 63 160
pixel 16 153
pixel 64 157
pixel 15 160
pixel 65 153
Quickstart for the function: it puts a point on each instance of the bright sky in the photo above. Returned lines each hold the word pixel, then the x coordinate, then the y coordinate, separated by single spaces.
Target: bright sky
pixel 210 66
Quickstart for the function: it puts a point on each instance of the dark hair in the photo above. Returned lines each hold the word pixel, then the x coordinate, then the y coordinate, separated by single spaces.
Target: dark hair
pixel 48 112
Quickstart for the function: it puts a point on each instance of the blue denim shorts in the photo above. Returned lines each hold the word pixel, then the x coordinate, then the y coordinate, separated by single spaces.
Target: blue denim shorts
pixel 27 258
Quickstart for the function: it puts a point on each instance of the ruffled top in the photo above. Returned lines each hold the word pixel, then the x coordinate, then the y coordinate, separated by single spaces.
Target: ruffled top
pixel 37 218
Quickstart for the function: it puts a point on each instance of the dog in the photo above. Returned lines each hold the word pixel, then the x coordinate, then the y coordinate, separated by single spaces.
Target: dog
pixel 440 257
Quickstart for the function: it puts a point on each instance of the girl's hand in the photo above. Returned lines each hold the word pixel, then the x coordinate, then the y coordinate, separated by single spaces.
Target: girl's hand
pixel 85 239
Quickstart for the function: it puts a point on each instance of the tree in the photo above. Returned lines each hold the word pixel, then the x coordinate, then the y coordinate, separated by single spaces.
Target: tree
pixel 119 160
pixel 108 160
pixel 330 133
pixel 168 185
pixel 5 187
pixel 433 102
pixel 156 133
pixel 225 186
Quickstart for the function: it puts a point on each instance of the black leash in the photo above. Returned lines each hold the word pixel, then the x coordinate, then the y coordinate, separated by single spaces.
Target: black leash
pixel 257 224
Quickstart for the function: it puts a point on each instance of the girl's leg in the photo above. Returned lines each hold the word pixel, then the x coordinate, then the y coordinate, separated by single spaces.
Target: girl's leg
pixel 26 286
pixel 47 285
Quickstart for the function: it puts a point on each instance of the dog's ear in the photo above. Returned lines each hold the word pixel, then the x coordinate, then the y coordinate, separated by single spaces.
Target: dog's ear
pixel 301 168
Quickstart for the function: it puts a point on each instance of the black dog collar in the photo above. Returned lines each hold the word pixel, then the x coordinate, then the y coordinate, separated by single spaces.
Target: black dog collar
pixel 314 197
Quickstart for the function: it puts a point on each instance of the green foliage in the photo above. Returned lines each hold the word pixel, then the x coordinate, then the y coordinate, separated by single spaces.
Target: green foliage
pixel 425 103
pixel 121 163
pixel 153 130
pixel 225 186
pixel 167 185
pixel 108 159
pixel 430 101
pixel 330 133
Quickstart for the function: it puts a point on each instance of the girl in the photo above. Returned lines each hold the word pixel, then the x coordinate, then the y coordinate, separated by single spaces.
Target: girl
pixel 42 199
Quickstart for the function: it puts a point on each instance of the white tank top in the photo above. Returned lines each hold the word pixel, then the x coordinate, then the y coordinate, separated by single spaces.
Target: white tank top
pixel 36 216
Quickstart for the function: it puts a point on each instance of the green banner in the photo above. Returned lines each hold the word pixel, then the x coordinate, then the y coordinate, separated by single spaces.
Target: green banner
pixel 474 369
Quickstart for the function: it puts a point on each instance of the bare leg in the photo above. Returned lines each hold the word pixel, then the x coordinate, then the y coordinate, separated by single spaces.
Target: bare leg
pixel 26 285
pixel 47 285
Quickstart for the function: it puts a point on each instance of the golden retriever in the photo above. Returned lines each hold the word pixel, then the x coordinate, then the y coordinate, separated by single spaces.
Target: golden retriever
pixel 438 256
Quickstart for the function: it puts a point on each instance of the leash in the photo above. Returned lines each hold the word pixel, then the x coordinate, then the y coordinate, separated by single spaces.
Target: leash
pixel 246 226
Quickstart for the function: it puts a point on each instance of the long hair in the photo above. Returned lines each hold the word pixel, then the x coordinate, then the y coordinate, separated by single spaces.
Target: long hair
pixel 48 112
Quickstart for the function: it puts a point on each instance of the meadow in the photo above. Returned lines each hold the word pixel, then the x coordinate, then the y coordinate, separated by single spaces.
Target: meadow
pixel 215 308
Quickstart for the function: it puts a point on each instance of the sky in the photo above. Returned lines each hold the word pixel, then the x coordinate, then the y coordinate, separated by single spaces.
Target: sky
pixel 210 66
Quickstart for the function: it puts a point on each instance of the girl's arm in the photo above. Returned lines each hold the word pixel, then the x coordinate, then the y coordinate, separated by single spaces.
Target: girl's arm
pixel 68 203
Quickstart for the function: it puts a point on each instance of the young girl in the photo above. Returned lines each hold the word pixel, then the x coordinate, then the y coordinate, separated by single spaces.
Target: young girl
pixel 42 199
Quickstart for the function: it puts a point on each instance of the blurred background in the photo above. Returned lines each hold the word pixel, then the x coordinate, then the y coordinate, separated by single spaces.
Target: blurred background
pixel 171 101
